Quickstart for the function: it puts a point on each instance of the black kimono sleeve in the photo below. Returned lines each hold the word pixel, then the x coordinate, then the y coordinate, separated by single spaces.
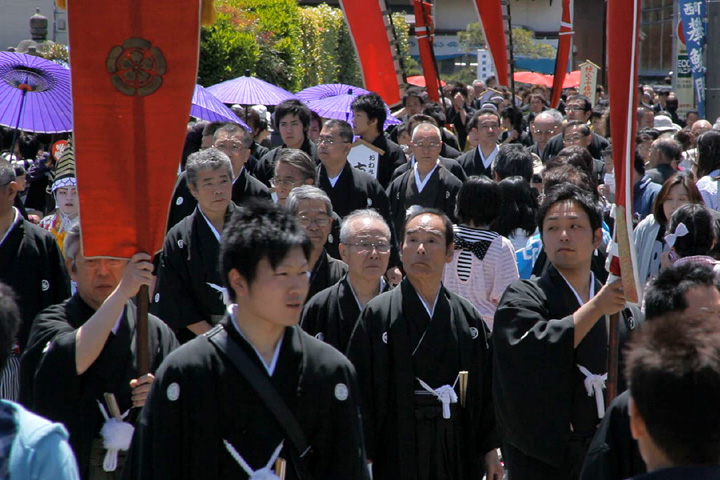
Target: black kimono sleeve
pixel 532 372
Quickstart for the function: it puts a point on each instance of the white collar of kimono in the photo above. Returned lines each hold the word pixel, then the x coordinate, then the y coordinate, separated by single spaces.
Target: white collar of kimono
pixel 382 286
pixel 592 287
pixel 270 368
pixel 429 310
pixel 242 169
pixel 212 227
pixel 12 225
pixel 490 158
pixel 334 179
pixel 420 184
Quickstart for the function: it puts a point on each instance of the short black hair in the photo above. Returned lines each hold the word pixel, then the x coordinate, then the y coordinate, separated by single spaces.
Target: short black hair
pixel 459 87
pixel 513 160
pixel 478 201
pixel 292 107
pixel 9 322
pixel 639 163
pixel 519 205
pixel 584 128
pixel 557 173
pixel 28 146
pixel 259 229
pixel 701 230
pixel 587 103
pixel 344 129
pixel 566 192
pixel 666 292
pixel 669 147
pixel 416 212
pixel 475 119
pixel 434 111
pixel 373 106
pixel 413 92
pixel 673 371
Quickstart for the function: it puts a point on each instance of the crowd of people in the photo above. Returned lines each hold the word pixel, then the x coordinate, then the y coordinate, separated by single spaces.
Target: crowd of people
pixel 445 318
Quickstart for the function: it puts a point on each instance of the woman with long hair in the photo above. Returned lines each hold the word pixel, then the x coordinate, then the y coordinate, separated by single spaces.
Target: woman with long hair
pixel 516 221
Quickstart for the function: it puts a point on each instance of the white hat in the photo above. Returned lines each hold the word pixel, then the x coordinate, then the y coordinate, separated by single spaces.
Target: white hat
pixel 664 123
pixel 262 111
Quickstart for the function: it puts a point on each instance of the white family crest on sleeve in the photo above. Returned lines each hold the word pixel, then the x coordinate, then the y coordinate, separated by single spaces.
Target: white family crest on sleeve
pixel 320 336
pixel 45 285
pixel 474 333
pixel 179 201
pixel 385 338
pixel 341 392
pixel 173 391
pixel 180 243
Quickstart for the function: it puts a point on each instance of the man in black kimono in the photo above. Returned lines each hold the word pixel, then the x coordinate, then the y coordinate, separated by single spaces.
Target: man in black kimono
pixel 428 184
pixel 85 347
pixel 292 120
pixel 409 347
pixel 369 117
pixel 313 209
pixel 550 345
pixel 479 161
pixel 689 290
pixel 205 418
pixel 234 141
pixel 189 294
pixel 32 264
pixel 365 247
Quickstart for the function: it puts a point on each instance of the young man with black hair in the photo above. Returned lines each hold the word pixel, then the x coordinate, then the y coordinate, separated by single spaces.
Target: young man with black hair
pixel 480 160
pixel 549 337
pixel 409 347
pixel 214 408
pixel 673 368
pixel 369 117
pixel 689 290
pixel 578 107
pixel 460 113
pixel 292 120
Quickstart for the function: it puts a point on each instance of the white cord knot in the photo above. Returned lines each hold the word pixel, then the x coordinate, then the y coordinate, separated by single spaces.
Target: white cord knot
pixel 594 385
pixel 264 473
pixel 445 394
pixel 117 435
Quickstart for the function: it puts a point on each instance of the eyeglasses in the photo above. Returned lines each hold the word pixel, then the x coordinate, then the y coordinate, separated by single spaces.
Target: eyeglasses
pixel 283 182
pixel 427 145
pixel 574 108
pixel 573 138
pixel 365 247
pixel 329 141
pixel 320 220
pixel 543 132
pixel 233 146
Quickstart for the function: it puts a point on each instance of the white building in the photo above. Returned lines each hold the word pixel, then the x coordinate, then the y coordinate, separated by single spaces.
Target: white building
pixel 15 21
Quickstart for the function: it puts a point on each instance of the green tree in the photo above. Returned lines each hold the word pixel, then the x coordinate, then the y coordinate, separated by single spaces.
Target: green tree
pixel 524 44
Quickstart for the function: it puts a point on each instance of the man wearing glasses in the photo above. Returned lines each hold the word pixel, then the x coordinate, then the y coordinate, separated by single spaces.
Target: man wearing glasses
pixel 428 184
pixel 313 210
pixel 577 134
pixel 578 108
pixel 365 246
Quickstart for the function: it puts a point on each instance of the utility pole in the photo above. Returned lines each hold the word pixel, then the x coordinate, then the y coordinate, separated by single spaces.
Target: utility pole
pixel 712 73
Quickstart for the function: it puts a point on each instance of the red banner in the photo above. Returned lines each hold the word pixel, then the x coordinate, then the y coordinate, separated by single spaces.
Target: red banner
pixel 491 16
pixel 424 30
pixel 623 29
pixel 367 27
pixel 563 53
pixel 132 86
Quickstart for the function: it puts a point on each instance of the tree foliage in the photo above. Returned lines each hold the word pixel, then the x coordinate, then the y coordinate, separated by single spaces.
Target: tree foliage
pixel 524 44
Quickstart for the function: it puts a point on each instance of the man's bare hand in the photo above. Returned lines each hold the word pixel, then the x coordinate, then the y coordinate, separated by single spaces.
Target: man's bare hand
pixel 138 272
pixel 610 299
pixel 141 388
pixel 493 468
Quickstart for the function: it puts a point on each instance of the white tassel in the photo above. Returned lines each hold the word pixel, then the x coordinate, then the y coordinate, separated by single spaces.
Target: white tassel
pixel 117 435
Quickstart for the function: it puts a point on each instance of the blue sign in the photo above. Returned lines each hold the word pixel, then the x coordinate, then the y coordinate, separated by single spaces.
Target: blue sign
pixel 692 13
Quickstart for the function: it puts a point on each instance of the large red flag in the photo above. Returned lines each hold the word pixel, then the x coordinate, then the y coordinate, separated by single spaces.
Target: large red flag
pixel 563 53
pixel 623 28
pixel 424 30
pixel 132 87
pixel 491 16
pixel 368 29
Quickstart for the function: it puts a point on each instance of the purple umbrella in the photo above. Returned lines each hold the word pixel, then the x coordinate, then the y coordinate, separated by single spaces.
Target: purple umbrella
pixel 34 94
pixel 318 92
pixel 339 106
pixel 207 107
pixel 249 90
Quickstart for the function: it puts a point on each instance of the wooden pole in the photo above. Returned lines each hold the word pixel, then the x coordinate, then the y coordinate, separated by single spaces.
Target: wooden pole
pixel 141 340
pixel 613 357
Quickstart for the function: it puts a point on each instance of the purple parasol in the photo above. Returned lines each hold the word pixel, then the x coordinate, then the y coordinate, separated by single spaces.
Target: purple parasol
pixel 318 92
pixel 207 107
pixel 339 106
pixel 34 94
pixel 249 90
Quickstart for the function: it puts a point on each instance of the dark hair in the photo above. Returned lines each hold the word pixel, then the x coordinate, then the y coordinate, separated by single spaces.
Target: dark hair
pixel 292 107
pixel 436 112
pixel 28 146
pixel 478 201
pixel 584 129
pixel 677 179
pixel 647 134
pixel 373 106
pixel 299 160
pixel 314 117
pixel 639 163
pixel 685 137
pixel 566 192
pixel 519 205
pixel 449 233
pixel 259 229
pixel 588 105
pixel 701 230
pixel 419 118
pixel 708 146
pixel 666 292
pixel 193 141
pixel 670 148
pixel 673 370
pixel 458 87
pixel 578 157
pixel 345 131
pixel 9 322
pixel 560 173
pixel 512 160
pixel 475 119
pixel 413 92
pixel 212 127
pixel 538 96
